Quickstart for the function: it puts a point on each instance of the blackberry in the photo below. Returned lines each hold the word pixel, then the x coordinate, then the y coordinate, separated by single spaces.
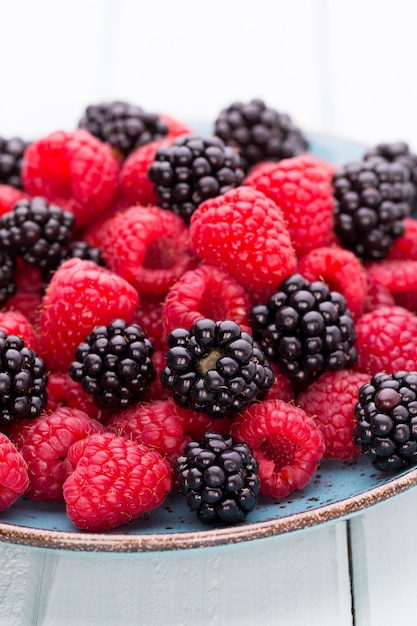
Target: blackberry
pixel 123 125
pixel 114 364
pixel 386 420
pixel 305 328
pixel 192 170
pixel 259 133
pixel 11 158
pixel 372 198
pixel 7 281
pixel 219 478
pixel 23 380
pixel 37 232
pixel 215 368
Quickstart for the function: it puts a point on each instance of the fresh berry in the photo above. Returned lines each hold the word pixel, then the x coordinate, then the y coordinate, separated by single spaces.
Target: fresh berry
pixel 301 188
pixel 281 388
pixel 176 127
pixel 80 296
pixel 244 233
pixel 46 447
pixel 156 390
pixel 259 133
pixel 149 315
pixel 306 329
pixel 191 170
pixel 376 295
pixel 400 278
pixel 123 125
pixel 74 170
pixel 8 197
pixel 65 392
pixel 23 380
pixel 386 420
pixel 397 152
pixel 219 478
pixel 405 247
pixel 114 481
pixel 148 247
pixel 206 291
pixel 372 198
pixel 7 276
pixel 286 442
pixel 29 285
pixel 195 424
pixel 11 157
pixel 216 368
pixel 114 364
pixel 16 323
pixel 341 270
pixel 14 478
pixel 386 340
pixel 330 401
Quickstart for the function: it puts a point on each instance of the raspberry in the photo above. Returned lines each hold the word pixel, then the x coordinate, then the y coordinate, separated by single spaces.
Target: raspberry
pixel 80 296
pixel 301 189
pixel 286 442
pixel 215 367
pixel 156 424
pixel 281 388
pixel 219 478
pixel 74 170
pixel 330 401
pixel 244 233
pixel 29 290
pixel 196 424
pixel 149 315
pixel 8 197
pixel 191 170
pixel 148 247
pixel 206 291
pixel 114 364
pixel 15 323
pixel 11 156
pixel 405 247
pixel 341 270
pixel 14 478
pixel 65 392
pixel 46 447
pixel 386 420
pixel 400 277
pixel 115 480
pixel 157 391
pixel 386 340
pixel 376 295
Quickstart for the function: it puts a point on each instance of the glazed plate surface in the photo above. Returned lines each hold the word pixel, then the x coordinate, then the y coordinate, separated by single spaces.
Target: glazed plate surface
pixel 338 491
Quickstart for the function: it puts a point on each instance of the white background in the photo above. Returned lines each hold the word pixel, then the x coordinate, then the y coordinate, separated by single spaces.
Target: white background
pixel 344 68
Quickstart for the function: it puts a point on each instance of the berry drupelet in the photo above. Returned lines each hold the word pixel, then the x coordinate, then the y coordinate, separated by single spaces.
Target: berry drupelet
pixel 372 198
pixel 259 133
pixel 123 125
pixel 114 364
pixel 11 157
pixel 219 478
pixel 7 280
pixel 23 380
pixel 191 170
pixel 215 368
pixel 386 416
pixel 306 329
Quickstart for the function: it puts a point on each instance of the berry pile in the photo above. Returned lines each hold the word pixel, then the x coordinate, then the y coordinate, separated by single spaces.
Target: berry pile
pixel 212 316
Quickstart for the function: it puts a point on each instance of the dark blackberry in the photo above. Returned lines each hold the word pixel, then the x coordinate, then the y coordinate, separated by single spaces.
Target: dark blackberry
pixel 23 381
pixel 124 126
pixel 372 198
pixel 37 232
pixel 259 133
pixel 219 478
pixel 7 281
pixel 215 368
pixel 386 420
pixel 114 364
pixel 192 170
pixel 305 328
pixel 11 158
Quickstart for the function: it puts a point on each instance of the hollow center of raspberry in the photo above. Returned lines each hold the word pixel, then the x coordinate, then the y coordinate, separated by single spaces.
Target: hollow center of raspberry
pixel 280 450
pixel 160 255
pixel 209 362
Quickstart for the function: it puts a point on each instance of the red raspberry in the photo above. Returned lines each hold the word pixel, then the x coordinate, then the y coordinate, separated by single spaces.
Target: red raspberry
pixel 15 323
pixel 176 127
pixel 80 296
pixel 301 187
pixel 205 292
pixel 148 247
pixel 14 478
pixel 135 186
pixel 244 233
pixel 400 278
pixel 115 480
pixel 196 424
pixel 95 230
pixel 46 447
pixel 8 197
pixel 149 315
pixel 157 391
pixel 341 270
pixel 29 289
pixel 156 424
pixel 63 391
pixel 18 431
pixel 331 400
pixel 73 169
pixel 376 295
pixel 405 247
pixel 282 388
pixel 386 340
pixel 286 442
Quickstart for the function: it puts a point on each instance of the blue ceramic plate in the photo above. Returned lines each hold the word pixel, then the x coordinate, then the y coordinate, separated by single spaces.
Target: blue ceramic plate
pixel 338 491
